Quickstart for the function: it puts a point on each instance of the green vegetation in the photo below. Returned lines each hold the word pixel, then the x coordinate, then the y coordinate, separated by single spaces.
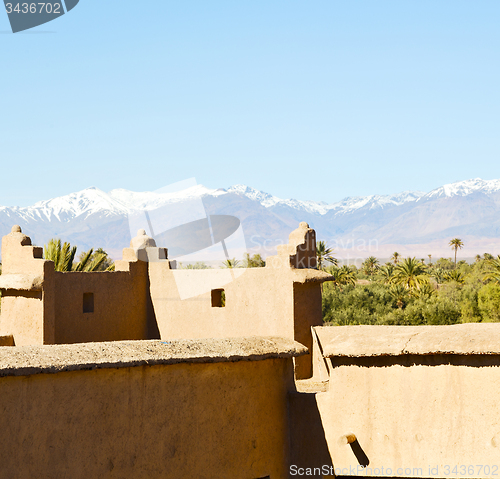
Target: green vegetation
pixel 230 263
pixel 324 254
pixel 254 261
pixel 63 256
pixel 197 265
pixel 456 243
pixel 409 292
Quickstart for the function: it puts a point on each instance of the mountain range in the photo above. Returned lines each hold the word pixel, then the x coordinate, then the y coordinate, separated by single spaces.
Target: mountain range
pixel 411 222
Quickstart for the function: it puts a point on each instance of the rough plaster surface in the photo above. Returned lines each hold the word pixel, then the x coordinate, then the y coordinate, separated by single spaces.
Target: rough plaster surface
pixel 29 360
pixel 21 282
pixel 415 420
pixel 370 341
pixel 224 420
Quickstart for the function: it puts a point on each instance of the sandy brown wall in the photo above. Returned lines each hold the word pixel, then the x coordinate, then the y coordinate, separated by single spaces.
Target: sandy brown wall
pixel 22 316
pixel 307 312
pixel 120 305
pixel 259 302
pixel 415 415
pixel 218 420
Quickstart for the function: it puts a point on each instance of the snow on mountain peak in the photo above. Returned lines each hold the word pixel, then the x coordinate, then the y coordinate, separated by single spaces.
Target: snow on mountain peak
pixel 464 188
pixel 267 200
pixel 121 202
pixel 88 201
pixel 150 200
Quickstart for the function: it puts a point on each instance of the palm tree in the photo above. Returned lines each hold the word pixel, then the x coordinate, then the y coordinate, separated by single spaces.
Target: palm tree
pixel 455 276
pixel 410 274
pixel 370 265
pixel 63 256
pixel 430 259
pixel 342 276
pixel 455 244
pixel 399 294
pixel 494 269
pixel 348 275
pixel 230 263
pixel 425 291
pixel 94 261
pixel 386 272
pixel 323 253
pixel 395 257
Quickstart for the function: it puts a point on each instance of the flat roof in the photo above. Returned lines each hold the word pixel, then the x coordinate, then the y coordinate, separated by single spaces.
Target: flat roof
pixel 30 360
pixel 370 341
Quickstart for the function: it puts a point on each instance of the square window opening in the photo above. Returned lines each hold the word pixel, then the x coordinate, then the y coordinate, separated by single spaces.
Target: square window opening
pixel 218 298
pixel 88 302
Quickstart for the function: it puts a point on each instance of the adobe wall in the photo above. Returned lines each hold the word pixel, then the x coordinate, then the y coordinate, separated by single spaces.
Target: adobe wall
pixel 257 302
pixel 418 400
pixel 43 306
pixel 283 299
pixel 150 410
pixel 120 305
pixel 27 310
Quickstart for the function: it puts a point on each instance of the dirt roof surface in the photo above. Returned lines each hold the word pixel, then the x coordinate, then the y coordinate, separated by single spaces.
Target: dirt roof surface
pixel 29 360
pixel 369 341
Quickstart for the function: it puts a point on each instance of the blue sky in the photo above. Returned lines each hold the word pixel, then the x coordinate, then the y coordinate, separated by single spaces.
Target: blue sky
pixel 312 100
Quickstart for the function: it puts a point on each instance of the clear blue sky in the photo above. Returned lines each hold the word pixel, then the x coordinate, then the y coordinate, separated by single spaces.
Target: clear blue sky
pixel 305 99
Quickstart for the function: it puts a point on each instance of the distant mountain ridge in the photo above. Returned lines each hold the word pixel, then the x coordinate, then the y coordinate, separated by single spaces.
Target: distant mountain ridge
pixel 91 217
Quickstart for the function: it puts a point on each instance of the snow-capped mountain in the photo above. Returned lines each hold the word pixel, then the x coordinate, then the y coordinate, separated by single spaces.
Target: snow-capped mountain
pixel 92 217
pixel 464 188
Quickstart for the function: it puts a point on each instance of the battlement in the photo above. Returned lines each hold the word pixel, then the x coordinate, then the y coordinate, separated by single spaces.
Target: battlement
pixel 144 298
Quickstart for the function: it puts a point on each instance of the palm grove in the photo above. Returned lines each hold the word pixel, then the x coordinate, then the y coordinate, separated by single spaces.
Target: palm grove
pixel 411 291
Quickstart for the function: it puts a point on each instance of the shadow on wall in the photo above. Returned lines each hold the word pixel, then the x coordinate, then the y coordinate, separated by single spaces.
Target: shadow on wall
pixel 307 437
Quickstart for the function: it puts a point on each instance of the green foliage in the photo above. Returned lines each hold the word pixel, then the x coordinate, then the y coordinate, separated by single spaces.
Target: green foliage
pixel 370 265
pixel 230 263
pixel 97 260
pixel 445 264
pixel 493 271
pixel 411 274
pixel 411 293
pixel 386 273
pixel 197 265
pixel 439 275
pixel 355 304
pixel 324 254
pixel 456 243
pixel 399 294
pixel 454 275
pixel 63 256
pixel 395 257
pixel 489 302
pixel 342 276
pixel 255 261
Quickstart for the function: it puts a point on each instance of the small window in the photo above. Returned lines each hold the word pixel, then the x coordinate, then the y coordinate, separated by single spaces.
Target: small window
pixel 218 298
pixel 88 302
